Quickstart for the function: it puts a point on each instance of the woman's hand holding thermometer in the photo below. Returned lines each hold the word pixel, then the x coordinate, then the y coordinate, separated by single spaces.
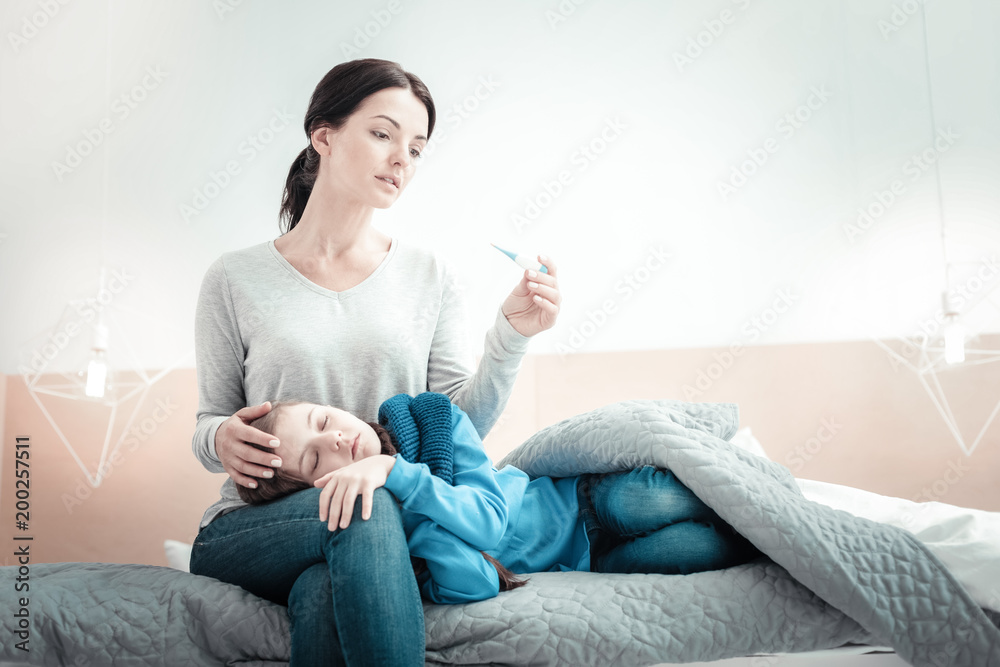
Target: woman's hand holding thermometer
pixel 533 304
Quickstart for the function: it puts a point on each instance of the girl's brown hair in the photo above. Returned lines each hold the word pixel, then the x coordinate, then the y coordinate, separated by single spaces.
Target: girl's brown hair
pixel 336 97
pixel 281 485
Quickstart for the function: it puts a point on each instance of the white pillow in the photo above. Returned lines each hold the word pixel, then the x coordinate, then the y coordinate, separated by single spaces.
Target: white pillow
pixel 966 540
pixel 178 555
pixel 744 440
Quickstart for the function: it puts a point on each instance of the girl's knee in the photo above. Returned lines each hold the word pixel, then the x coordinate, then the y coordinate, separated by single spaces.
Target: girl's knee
pixel 653 475
pixel 714 545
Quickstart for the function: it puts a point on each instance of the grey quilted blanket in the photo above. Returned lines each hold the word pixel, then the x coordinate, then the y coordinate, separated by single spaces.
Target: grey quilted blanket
pixel 829 579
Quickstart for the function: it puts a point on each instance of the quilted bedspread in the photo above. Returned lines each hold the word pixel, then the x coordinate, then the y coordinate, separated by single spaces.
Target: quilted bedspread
pixel 828 578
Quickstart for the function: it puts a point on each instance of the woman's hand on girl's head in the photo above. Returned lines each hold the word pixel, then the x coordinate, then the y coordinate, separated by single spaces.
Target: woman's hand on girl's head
pixel 342 487
pixel 533 305
pixel 244 462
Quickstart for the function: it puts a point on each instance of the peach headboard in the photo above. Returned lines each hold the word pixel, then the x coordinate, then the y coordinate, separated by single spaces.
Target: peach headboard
pixel 837 412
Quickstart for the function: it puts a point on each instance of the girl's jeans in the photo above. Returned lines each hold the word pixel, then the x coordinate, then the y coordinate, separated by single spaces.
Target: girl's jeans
pixel 351 595
pixel 646 521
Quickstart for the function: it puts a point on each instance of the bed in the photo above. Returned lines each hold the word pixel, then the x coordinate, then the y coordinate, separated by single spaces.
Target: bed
pixel 843 570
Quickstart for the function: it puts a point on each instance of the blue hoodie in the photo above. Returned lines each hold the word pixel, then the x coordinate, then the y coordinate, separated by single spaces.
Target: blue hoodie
pixel 528 525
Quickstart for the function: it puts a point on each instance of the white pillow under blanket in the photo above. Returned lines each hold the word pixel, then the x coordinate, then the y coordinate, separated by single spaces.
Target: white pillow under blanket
pixel 178 555
pixel 966 540
pixel 744 439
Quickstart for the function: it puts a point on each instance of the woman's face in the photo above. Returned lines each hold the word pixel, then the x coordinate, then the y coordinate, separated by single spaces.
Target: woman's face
pixel 381 140
pixel 317 439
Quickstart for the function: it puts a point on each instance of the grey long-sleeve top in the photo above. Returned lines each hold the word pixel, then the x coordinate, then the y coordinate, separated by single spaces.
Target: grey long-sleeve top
pixel 264 332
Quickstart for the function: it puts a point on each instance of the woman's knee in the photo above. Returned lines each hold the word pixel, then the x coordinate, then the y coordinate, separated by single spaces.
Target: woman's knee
pixel 312 594
pixel 385 505
pixel 381 533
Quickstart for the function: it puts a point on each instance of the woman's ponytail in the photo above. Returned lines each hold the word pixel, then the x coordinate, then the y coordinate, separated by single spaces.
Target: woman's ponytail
pixel 298 187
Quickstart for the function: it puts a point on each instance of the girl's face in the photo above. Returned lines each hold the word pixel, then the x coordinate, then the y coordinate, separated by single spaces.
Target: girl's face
pixel 382 138
pixel 317 439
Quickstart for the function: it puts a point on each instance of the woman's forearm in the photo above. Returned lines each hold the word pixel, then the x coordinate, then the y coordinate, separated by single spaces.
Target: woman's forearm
pixel 483 394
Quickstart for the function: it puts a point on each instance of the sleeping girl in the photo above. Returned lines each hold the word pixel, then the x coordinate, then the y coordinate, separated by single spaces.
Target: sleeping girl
pixel 475 527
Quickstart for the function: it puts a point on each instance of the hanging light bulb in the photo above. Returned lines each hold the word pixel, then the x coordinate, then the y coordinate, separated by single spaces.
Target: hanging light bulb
pixel 954 341
pixel 954 334
pixel 97 368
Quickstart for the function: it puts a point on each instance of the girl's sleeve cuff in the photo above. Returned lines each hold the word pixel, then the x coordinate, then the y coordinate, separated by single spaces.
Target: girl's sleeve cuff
pixel 403 478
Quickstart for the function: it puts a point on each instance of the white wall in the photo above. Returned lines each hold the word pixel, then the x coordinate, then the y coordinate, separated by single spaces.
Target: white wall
pixel 557 85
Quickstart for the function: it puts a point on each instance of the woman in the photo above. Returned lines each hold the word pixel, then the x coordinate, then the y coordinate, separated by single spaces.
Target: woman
pixel 337 312
pixel 476 527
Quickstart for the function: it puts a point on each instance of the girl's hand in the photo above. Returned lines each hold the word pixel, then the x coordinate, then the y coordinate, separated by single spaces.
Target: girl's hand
pixel 243 462
pixel 533 305
pixel 342 487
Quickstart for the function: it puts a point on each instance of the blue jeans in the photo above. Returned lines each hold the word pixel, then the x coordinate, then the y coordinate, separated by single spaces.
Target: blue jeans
pixel 351 594
pixel 646 521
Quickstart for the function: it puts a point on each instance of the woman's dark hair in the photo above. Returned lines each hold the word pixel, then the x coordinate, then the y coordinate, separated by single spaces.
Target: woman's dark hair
pixel 336 97
pixel 281 485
